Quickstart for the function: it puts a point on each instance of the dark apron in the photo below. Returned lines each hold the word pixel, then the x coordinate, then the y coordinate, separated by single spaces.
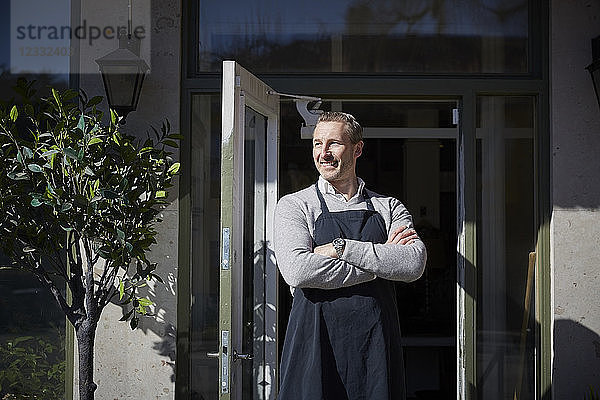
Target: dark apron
pixel 344 343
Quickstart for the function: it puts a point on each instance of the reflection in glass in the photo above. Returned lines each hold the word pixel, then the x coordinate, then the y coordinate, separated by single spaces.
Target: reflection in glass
pixel 418 36
pixel 505 237
pixel 205 192
pixel 33 365
pixel 32 338
pixel 255 381
pixel 402 158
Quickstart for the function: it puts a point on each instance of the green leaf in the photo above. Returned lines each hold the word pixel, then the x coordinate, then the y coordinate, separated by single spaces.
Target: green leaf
pixel 121 289
pixel 66 207
pixel 94 101
pixel 14 113
pixel 114 118
pixel 104 252
pixel 94 140
pixel 50 189
pixel 81 123
pixel 17 176
pixel 29 110
pixel 34 168
pixel 174 169
pixel 49 153
pixel 56 96
pixel 27 152
pixel 161 194
pixel 71 153
pixel 109 194
pixel 134 322
pixel 36 203
pixel 21 339
pixel 171 143
pixel 145 302
pixel 66 228
pixel 175 136
pixel 88 171
pixel 69 94
pixel 120 234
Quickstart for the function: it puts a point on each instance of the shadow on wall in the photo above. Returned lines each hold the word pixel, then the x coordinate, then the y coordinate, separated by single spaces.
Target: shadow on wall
pixel 577 356
pixel 160 315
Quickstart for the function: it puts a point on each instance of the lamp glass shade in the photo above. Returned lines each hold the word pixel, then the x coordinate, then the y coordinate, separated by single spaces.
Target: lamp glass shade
pixel 123 74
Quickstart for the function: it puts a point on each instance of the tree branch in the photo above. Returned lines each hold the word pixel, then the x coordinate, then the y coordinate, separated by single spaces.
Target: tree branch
pixel 90 296
pixel 69 311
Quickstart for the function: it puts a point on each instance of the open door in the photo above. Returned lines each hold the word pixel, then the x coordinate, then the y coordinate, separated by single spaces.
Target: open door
pixel 248 280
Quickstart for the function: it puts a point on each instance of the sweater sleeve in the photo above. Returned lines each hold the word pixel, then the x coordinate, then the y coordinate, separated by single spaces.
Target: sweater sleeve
pixel 389 261
pixel 299 266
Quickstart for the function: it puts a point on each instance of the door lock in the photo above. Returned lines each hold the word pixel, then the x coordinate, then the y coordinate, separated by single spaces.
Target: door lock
pixel 236 356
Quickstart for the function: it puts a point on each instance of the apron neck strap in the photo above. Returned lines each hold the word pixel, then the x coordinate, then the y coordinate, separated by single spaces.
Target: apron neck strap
pixel 368 200
pixel 325 209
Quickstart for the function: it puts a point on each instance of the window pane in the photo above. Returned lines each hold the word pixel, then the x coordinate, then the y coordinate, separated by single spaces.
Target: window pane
pixel 377 36
pixel 32 338
pixel 206 193
pixel 505 237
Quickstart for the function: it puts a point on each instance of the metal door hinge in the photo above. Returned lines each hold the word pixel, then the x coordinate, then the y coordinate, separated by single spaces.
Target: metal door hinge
pixel 226 244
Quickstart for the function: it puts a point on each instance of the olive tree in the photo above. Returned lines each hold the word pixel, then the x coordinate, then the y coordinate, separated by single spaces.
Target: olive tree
pixel 79 204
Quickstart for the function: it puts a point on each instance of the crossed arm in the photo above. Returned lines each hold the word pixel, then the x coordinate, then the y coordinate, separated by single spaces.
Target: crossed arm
pixel 401 258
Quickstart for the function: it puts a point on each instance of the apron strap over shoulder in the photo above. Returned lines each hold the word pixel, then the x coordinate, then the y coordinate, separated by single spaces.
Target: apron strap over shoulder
pixel 325 209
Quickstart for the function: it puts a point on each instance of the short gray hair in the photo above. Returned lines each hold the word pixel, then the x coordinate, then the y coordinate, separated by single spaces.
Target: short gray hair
pixel 352 127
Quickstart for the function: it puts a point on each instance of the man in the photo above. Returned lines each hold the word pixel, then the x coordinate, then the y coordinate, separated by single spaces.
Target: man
pixel 340 246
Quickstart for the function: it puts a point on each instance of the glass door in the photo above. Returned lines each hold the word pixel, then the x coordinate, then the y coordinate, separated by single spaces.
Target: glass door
pixel 248 281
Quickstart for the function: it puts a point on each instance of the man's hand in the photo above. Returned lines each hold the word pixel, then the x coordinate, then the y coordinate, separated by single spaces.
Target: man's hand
pixel 402 235
pixel 326 250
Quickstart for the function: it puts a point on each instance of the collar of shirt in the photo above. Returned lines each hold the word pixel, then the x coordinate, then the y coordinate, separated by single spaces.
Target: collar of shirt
pixel 327 188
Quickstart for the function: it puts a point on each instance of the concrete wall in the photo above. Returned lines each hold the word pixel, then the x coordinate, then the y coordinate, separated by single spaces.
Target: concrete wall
pixel 140 364
pixel 575 231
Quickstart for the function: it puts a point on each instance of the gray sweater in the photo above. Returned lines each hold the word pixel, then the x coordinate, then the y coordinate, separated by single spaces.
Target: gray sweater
pixel 295 217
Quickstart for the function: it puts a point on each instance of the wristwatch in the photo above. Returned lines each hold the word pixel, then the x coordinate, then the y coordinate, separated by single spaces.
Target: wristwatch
pixel 339 244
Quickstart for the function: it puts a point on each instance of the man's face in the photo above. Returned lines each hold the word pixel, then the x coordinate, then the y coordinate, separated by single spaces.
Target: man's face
pixel 333 152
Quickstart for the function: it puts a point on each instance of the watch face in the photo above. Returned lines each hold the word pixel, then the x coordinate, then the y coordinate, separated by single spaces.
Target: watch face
pixel 339 242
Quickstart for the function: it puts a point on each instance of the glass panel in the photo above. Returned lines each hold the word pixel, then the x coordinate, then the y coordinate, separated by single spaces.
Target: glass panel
pixel 398 165
pixel 449 36
pixel 205 193
pixel 254 255
pixel 33 366
pixel 505 236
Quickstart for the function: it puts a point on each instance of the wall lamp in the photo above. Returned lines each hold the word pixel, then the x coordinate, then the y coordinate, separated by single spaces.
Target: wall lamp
pixel 123 73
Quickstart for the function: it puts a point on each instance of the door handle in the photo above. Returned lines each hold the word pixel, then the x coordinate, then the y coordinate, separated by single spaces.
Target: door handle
pixel 237 356
pixel 212 355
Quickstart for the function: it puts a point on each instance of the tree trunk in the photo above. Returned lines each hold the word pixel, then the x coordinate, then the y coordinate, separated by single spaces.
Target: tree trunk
pixel 86 335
